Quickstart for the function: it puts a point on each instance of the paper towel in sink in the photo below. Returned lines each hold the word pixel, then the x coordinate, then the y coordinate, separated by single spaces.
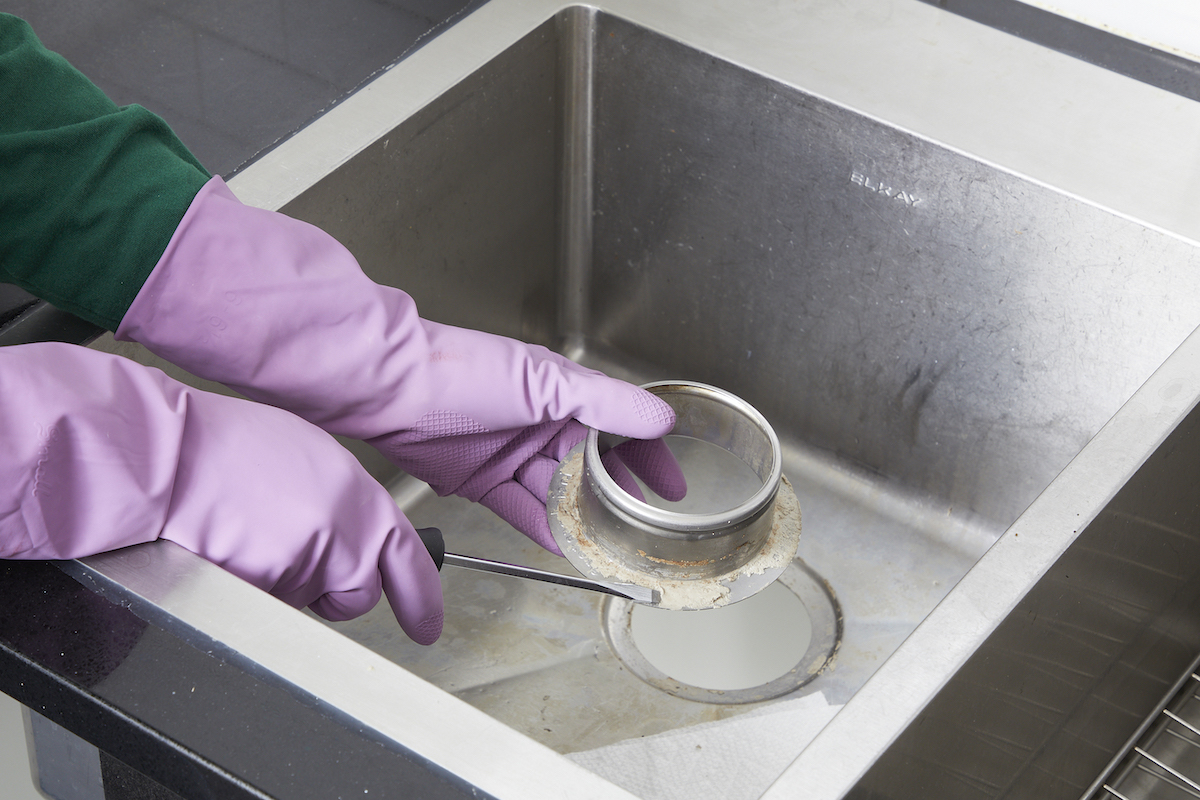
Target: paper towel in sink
pixel 730 759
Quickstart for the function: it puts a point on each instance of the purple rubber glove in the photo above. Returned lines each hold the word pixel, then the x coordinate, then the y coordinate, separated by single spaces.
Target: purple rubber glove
pixel 98 452
pixel 278 310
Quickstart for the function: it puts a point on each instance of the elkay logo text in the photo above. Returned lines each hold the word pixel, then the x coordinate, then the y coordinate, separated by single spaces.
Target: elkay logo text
pixel 879 187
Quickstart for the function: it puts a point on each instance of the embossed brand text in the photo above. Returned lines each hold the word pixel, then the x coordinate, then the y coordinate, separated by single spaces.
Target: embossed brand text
pixel 879 187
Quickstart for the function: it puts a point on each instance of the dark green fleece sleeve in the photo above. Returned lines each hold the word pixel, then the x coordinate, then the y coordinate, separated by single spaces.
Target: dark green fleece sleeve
pixel 89 193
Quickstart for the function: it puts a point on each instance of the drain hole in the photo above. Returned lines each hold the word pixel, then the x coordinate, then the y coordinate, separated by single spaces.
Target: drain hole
pixel 740 646
pixel 765 646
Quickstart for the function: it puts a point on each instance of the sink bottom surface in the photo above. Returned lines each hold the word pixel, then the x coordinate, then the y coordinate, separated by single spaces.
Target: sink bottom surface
pixel 536 657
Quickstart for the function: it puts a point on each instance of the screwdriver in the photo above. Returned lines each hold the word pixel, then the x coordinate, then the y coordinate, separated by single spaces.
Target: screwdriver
pixel 436 545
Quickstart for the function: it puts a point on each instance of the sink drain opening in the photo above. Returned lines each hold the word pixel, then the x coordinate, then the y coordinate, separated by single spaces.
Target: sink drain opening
pixel 762 647
pixel 739 646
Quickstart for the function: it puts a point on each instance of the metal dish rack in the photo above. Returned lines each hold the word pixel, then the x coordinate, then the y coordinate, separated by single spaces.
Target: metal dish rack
pixel 1162 759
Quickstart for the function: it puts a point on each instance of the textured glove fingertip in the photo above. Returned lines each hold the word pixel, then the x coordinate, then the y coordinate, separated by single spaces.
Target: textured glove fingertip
pixel 428 630
pixel 655 412
pixel 614 406
pixel 412 584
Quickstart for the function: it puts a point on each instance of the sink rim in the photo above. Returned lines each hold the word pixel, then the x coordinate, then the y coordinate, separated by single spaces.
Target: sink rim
pixel 842 752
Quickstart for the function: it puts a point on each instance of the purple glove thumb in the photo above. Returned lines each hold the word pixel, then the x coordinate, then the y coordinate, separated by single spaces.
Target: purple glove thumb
pixel 98 452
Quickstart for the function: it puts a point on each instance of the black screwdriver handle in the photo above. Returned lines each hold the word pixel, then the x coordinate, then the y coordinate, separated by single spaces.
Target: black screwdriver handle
pixel 434 543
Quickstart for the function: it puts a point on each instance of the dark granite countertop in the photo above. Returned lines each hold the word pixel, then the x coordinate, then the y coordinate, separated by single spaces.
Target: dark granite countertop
pixel 234 78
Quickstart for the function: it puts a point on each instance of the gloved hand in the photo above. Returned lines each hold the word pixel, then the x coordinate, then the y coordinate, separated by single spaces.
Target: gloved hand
pixel 98 452
pixel 278 310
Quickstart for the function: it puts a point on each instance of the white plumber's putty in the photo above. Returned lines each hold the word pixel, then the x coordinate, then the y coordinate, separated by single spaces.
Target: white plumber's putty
pixel 699 593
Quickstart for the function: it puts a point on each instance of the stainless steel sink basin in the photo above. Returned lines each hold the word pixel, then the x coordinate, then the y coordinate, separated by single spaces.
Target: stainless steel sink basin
pixel 934 337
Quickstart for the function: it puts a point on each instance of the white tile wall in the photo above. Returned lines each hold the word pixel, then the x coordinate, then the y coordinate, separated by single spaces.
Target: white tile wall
pixel 1171 25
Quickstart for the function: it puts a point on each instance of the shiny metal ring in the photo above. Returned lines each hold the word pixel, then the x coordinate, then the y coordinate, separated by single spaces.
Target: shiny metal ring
pixel 688 545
